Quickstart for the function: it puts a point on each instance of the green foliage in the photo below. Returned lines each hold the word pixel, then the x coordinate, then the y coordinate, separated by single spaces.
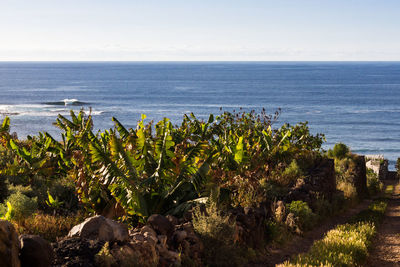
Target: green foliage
pixel 218 234
pixel 398 167
pixel 373 183
pixel 21 206
pixel 347 244
pixel 9 212
pixel 53 203
pixel 304 215
pixel 340 151
pixel 159 168
pixel 278 233
pixel 345 171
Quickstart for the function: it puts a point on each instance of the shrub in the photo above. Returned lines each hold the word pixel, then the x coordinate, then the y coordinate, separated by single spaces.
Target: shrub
pixel 22 205
pixel 292 172
pixel 348 189
pixel 286 175
pixel 218 234
pixel 26 190
pixel 373 183
pixel 304 215
pixel 339 151
pixel 278 233
pixel 322 206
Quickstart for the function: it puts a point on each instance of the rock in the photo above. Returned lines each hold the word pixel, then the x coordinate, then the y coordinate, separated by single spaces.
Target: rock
pixel 160 224
pixel 279 211
pixel 179 236
pixel 76 251
pixel 101 228
pixel 137 237
pixel 167 257
pixel 148 229
pixel 191 245
pixel 151 238
pixel 131 254
pixel 163 240
pixel 172 219
pixel 35 251
pixel 9 245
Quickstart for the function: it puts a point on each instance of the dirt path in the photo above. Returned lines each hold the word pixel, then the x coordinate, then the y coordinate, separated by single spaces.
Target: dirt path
pixel 386 248
pixel 303 244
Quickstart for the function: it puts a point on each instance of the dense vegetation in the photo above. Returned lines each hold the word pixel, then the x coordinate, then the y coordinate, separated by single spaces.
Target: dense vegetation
pixel 347 244
pixel 157 168
pixel 230 162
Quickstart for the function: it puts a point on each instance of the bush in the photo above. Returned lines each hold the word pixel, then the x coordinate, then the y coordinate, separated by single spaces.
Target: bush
pixel 292 172
pixel 322 206
pixel 218 234
pixel 26 190
pixel 339 151
pixel 373 183
pixel 304 215
pixel 286 175
pixel 22 205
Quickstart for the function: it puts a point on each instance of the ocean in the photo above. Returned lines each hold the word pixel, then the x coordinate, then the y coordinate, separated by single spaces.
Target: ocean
pixel 357 103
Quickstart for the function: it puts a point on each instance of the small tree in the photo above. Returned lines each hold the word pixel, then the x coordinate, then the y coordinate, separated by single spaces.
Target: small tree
pixel 339 151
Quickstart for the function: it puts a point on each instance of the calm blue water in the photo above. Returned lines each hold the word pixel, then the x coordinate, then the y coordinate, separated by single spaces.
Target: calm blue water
pixel 355 103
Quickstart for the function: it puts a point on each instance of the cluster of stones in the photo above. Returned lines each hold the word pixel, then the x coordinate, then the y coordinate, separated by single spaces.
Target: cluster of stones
pixel 25 250
pixel 100 241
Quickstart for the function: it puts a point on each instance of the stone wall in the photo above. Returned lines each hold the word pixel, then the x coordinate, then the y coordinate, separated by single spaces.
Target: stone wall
pixel 319 182
pixel 360 176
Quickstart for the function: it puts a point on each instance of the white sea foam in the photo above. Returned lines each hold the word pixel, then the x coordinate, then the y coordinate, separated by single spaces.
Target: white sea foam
pixel 68 101
pixel 41 110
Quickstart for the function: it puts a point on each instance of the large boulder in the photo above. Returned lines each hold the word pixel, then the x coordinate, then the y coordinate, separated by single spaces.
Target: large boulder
pixel 35 251
pixel 9 245
pixel 100 228
pixel 161 224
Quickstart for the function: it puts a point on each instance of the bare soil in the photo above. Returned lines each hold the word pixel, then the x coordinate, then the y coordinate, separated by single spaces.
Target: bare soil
pixel 386 247
pixel 301 244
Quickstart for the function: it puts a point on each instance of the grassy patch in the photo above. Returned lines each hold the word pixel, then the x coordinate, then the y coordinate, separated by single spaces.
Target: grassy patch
pixel 347 244
pixel 48 226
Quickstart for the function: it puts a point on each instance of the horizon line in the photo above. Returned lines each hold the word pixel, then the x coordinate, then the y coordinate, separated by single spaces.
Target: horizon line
pixel 195 61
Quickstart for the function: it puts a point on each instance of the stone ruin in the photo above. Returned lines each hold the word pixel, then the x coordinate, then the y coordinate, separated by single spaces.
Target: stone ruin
pixel 379 165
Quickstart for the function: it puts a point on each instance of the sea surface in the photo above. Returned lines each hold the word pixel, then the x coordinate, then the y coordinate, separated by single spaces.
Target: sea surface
pixel 357 103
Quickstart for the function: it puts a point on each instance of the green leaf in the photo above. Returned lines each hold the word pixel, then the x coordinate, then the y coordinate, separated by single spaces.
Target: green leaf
pixel 239 151
pixel 5 127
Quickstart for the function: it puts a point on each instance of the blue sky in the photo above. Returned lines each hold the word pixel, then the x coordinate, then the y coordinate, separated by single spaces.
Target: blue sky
pixel 200 30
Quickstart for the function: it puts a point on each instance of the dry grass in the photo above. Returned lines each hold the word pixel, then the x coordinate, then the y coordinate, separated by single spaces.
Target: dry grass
pixel 48 226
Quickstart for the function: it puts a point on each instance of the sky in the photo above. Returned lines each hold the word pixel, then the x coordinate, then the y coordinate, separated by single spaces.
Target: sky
pixel 188 30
